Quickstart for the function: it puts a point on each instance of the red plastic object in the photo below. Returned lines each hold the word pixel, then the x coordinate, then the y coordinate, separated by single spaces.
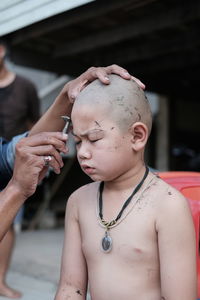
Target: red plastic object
pixel 188 183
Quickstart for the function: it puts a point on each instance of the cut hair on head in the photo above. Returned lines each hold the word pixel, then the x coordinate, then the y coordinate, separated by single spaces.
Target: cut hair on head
pixel 125 100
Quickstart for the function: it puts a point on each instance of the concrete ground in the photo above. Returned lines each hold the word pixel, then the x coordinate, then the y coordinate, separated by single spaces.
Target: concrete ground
pixel 35 265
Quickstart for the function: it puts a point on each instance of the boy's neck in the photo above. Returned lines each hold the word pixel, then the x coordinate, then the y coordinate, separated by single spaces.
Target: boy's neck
pixel 126 181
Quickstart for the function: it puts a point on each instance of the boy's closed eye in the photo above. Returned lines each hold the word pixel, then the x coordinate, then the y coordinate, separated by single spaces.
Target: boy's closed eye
pixel 78 142
pixel 95 136
pixel 92 136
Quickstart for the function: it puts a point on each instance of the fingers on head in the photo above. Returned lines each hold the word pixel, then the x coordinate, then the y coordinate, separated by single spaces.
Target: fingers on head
pixel 142 85
pixel 97 72
pixel 102 73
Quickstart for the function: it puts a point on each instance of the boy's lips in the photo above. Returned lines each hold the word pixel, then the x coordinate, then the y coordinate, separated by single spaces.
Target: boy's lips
pixel 87 169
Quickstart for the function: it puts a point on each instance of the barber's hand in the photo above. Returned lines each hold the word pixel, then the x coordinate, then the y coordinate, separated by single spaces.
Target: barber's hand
pixel 74 87
pixel 30 166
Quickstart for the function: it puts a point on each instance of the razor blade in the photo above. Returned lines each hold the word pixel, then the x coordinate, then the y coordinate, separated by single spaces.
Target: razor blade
pixel 67 124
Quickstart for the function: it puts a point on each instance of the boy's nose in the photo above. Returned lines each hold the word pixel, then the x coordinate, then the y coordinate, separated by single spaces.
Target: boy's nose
pixel 84 152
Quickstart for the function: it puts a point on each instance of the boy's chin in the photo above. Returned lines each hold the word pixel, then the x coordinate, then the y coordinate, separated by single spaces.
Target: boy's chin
pixel 100 178
pixel 96 177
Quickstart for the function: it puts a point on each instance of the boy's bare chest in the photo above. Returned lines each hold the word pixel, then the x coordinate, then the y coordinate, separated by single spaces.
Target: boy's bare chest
pixel 134 238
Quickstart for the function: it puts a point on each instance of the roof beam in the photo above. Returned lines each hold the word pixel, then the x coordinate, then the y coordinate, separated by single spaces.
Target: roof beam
pixel 165 19
pixel 45 62
pixel 74 16
pixel 167 67
pixel 149 49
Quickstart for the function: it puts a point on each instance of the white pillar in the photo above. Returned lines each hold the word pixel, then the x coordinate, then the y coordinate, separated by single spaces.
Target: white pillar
pixel 162 135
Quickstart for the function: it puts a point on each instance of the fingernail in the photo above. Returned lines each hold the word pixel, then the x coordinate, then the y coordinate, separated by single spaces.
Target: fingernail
pixel 106 78
pixel 56 171
pixel 73 96
pixel 126 73
pixel 142 85
pixel 65 150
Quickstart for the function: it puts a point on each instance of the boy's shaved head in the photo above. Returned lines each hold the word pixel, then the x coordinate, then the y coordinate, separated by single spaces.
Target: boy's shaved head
pixel 124 101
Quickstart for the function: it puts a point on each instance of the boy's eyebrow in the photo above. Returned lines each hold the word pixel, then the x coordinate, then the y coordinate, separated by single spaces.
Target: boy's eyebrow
pixel 86 133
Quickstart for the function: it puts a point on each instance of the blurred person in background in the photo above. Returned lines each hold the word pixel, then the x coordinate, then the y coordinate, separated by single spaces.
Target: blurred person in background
pixel 19 110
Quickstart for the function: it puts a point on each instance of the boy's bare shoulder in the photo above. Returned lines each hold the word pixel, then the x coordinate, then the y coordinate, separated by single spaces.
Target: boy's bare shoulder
pixel 168 198
pixel 83 194
pixel 167 191
pixel 85 190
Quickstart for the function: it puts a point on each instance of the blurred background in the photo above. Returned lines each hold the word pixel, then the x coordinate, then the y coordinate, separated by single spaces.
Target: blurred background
pixel 157 41
pixel 53 41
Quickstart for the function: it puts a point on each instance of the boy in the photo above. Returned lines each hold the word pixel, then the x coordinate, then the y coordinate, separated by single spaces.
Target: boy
pixel 129 234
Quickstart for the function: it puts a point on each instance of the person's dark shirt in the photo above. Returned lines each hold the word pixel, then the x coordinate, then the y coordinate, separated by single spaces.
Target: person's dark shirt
pixel 19 103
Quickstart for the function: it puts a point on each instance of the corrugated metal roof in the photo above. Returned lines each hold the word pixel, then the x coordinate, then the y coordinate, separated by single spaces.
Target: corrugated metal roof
pixel 16 14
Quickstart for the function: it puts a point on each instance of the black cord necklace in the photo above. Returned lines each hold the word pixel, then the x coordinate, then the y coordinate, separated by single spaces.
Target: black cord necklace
pixel 106 242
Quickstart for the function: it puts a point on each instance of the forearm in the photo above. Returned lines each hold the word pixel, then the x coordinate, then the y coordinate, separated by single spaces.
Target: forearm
pixel 11 200
pixel 51 120
pixel 69 291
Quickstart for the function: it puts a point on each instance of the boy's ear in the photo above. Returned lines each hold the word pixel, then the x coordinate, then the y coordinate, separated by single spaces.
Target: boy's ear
pixel 139 132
